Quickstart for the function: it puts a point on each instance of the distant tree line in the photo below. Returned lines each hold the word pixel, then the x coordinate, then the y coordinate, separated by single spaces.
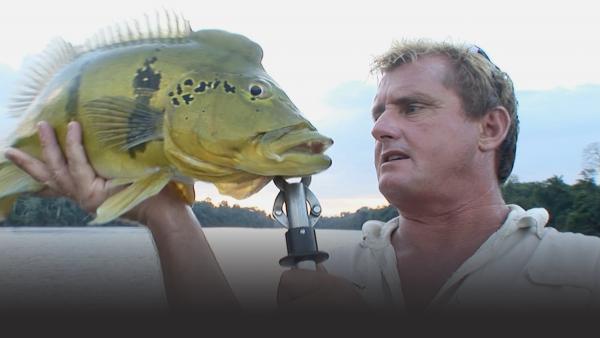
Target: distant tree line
pixel 574 208
pixel 32 210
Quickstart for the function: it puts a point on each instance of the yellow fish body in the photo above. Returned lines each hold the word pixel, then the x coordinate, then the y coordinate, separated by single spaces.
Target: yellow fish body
pixel 166 106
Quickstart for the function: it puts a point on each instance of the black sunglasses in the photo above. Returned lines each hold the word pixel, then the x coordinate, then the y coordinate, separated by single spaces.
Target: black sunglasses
pixel 477 50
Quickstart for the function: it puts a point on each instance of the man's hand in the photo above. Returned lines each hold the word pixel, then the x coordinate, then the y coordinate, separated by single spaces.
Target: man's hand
pixel 71 175
pixel 306 290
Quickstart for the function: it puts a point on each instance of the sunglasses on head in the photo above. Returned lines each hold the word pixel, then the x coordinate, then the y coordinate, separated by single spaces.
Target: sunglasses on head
pixel 477 50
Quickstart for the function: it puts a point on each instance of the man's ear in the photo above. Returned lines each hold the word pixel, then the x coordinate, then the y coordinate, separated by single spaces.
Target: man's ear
pixel 493 128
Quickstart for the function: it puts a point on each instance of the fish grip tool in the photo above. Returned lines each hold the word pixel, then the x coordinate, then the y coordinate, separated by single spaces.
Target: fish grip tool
pixel 301 239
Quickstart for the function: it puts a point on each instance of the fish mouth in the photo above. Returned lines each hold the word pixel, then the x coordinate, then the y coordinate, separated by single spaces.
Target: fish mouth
pixel 297 142
pixel 290 151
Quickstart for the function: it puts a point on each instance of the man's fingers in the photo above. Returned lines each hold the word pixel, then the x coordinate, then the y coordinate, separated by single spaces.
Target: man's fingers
pixel 298 283
pixel 77 161
pixel 29 164
pixel 303 289
pixel 54 158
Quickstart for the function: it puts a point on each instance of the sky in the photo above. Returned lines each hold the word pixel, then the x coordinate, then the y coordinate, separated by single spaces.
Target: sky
pixel 320 53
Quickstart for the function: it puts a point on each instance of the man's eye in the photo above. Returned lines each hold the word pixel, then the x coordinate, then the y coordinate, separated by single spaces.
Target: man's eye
pixel 413 108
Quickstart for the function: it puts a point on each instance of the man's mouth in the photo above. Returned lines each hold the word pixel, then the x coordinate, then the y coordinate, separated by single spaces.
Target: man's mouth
pixel 393 156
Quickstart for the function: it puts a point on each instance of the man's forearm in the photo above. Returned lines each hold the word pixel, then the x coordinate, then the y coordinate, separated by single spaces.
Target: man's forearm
pixel 192 276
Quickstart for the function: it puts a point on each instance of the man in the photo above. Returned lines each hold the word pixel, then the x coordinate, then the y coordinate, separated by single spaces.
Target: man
pixel 445 125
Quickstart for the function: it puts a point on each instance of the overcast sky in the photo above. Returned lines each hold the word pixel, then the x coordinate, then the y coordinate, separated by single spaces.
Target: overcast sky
pixel 320 52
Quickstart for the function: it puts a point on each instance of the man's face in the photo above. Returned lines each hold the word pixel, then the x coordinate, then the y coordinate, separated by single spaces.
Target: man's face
pixel 424 144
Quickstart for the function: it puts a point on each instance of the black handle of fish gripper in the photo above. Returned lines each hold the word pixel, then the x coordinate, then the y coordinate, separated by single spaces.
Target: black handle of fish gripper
pixel 302 246
pixel 301 239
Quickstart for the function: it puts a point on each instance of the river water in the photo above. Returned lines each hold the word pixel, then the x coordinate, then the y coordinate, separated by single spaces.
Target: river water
pixel 117 267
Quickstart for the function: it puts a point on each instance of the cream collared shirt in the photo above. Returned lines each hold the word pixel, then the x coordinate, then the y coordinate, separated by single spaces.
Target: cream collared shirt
pixel 523 265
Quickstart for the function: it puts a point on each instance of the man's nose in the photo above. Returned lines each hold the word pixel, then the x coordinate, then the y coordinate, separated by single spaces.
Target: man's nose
pixel 385 127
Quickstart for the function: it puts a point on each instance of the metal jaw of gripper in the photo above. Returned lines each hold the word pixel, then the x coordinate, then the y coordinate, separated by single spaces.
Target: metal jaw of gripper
pixel 301 240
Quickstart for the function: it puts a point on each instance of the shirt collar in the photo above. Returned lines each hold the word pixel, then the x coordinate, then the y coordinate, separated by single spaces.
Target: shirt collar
pixel 377 234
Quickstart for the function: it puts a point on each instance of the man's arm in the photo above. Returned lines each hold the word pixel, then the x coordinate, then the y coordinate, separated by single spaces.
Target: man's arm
pixel 192 276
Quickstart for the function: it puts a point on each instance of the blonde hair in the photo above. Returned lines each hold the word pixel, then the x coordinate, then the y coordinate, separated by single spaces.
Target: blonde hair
pixel 480 84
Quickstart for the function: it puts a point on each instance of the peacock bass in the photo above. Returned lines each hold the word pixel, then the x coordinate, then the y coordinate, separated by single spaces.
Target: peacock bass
pixel 164 105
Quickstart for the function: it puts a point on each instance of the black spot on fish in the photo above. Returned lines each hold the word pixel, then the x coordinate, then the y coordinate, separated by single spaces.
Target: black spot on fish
pixel 73 97
pixel 135 132
pixel 209 84
pixel 171 94
pixel 175 101
pixel 252 98
pixel 228 88
pixel 157 50
pixel 179 90
pixel 216 84
pixel 145 83
pixel 187 98
pixel 147 80
pixel 201 87
pixel 189 82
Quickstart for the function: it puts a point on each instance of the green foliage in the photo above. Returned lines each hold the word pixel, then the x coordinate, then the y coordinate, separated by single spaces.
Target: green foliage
pixel 235 216
pixel 58 212
pixel 574 208
pixel 355 220
pixel 51 212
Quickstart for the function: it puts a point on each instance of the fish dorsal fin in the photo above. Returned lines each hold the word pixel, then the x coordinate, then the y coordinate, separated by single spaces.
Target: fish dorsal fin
pixel 163 26
pixel 37 72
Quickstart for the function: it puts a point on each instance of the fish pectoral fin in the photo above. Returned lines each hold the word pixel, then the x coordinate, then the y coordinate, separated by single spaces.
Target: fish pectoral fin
pixel 244 189
pixel 123 123
pixel 131 196
pixel 115 182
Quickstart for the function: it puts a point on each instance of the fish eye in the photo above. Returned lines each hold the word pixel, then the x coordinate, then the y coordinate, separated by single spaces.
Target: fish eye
pixel 259 90
pixel 256 90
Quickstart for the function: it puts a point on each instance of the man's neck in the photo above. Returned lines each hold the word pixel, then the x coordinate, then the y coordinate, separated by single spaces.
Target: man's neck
pixel 448 226
pixel 431 245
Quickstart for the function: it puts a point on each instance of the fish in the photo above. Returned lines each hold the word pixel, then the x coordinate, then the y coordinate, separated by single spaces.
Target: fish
pixel 160 103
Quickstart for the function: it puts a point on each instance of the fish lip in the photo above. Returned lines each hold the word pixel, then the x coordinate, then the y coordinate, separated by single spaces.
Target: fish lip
pixel 296 139
pixel 316 145
pixel 313 144
pixel 386 155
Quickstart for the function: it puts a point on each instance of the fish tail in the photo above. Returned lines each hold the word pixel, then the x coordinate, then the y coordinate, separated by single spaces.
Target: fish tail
pixel 13 182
